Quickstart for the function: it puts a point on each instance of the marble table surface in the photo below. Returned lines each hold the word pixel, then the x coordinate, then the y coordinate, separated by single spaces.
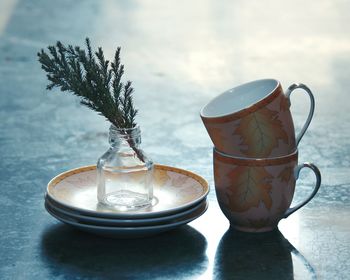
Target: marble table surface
pixel 179 55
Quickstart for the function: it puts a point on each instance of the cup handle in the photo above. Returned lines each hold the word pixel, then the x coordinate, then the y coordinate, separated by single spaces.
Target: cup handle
pixel 311 111
pixel 315 190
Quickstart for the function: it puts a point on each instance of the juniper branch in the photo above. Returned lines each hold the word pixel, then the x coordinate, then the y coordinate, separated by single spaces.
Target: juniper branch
pixel 91 77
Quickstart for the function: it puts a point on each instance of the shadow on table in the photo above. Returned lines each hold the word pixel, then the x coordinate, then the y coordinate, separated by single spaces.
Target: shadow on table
pixel 258 256
pixel 174 254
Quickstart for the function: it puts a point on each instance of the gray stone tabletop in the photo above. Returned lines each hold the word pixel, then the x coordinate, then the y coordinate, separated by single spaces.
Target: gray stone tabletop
pixel 179 55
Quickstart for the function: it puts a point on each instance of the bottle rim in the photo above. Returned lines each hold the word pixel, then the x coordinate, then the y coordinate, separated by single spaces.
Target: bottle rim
pixel 133 133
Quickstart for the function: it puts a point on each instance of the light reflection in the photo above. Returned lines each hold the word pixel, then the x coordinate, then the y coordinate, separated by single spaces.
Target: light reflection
pixel 210 45
pixel 6 9
pixel 213 232
pixel 302 267
pixel 285 254
pixel 290 228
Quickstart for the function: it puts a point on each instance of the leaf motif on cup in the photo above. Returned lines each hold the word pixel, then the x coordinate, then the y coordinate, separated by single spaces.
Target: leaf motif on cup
pixel 218 175
pixel 260 132
pixel 281 209
pixel 249 187
pixel 217 138
pixel 221 186
pixel 286 174
pixel 284 103
pixel 260 223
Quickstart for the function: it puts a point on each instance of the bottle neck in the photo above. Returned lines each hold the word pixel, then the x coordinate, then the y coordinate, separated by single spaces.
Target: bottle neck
pixel 126 137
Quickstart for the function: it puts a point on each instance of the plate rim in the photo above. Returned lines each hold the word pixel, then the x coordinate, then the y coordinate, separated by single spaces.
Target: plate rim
pixel 60 177
pixel 130 229
pixel 125 222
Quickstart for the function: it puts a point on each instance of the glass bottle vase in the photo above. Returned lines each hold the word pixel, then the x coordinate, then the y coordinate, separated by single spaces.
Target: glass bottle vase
pixel 124 172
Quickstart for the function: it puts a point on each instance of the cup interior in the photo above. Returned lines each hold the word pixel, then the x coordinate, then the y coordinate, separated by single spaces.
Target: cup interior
pixel 239 98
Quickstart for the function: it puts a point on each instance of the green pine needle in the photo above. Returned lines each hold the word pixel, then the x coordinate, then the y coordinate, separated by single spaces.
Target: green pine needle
pixel 94 79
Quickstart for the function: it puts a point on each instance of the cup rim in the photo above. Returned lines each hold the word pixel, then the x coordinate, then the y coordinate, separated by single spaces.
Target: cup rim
pixel 222 157
pixel 247 109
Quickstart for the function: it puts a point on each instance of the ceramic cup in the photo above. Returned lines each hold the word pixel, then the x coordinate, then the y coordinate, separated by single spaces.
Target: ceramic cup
pixel 255 194
pixel 254 120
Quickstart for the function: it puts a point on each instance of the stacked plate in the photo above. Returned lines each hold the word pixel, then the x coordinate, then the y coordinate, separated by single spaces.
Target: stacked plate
pixel 179 198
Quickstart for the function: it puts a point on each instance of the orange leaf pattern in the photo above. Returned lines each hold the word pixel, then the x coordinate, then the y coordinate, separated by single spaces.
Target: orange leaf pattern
pixel 281 209
pixel 220 172
pixel 284 103
pixel 217 138
pixel 260 132
pixel 286 174
pixel 250 186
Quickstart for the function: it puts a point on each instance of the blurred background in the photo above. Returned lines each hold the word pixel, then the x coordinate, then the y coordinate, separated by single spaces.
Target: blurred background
pixel 179 55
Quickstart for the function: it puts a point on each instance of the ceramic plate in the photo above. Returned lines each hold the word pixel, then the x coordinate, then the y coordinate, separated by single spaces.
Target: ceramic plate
pixel 174 190
pixel 121 222
pixel 127 232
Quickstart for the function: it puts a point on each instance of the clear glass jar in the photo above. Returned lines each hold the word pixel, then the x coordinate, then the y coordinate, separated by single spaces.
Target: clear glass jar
pixel 124 172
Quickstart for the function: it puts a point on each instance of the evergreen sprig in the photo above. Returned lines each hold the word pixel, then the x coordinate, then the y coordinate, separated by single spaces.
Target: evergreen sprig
pixel 94 79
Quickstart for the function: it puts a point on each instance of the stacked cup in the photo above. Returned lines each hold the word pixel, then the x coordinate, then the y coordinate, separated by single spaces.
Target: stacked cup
pixel 255 153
